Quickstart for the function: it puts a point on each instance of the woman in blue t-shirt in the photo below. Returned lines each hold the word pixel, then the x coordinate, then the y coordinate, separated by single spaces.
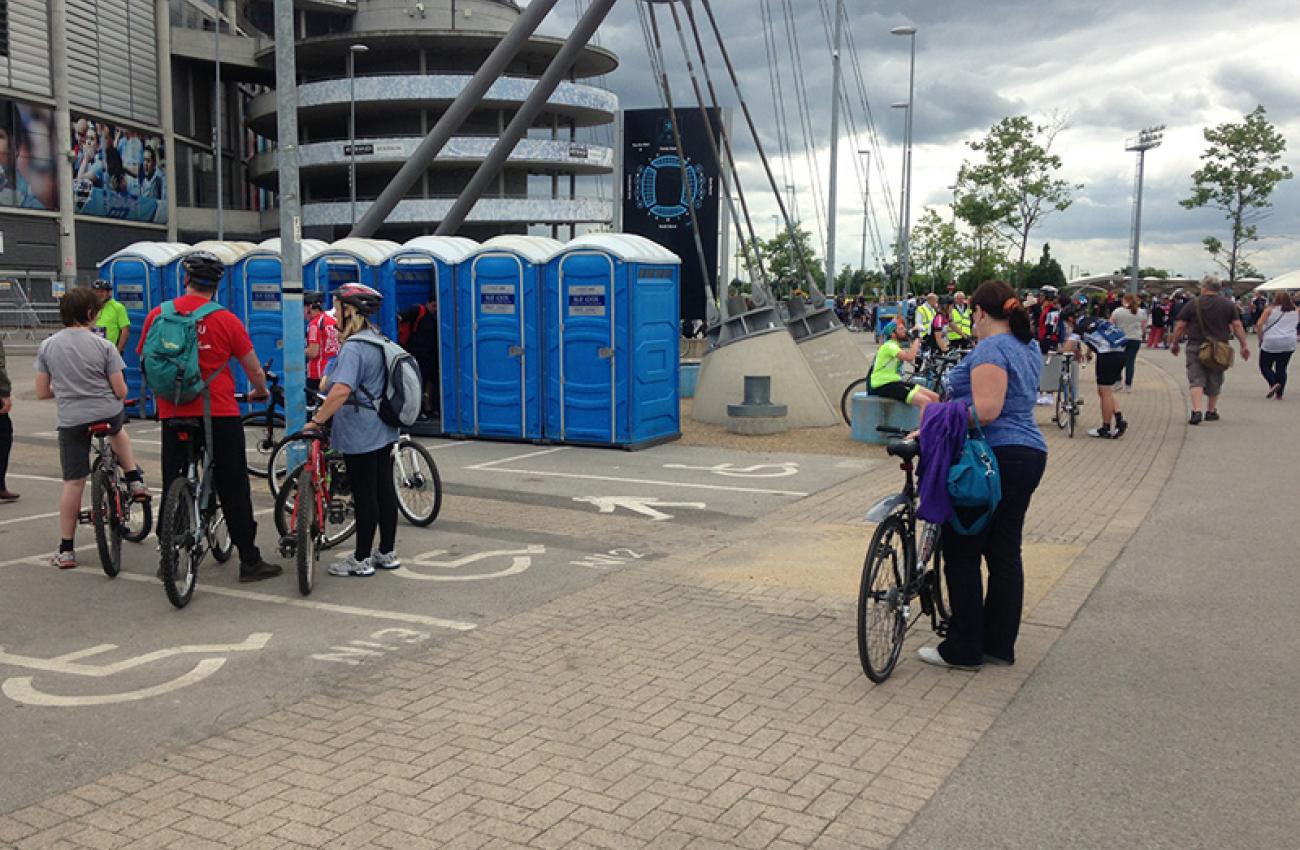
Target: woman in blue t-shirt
pixel 999 381
pixel 355 384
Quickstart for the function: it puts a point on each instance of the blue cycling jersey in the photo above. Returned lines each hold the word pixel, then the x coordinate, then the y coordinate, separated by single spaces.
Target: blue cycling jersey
pixel 1100 335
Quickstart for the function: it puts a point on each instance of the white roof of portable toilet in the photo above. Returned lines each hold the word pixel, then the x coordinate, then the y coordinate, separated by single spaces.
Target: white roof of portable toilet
pixel 627 247
pixel 228 252
pixel 309 247
pixel 449 249
pixel 537 249
pixel 371 251
pixel 153 253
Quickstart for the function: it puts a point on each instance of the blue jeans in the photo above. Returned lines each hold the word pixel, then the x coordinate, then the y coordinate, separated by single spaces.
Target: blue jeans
pixel 1131 348
pixel 988 623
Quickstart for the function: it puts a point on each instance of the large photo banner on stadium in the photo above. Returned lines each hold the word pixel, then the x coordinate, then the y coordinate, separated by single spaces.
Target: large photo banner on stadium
pixel 118 173
pixel 656 197
pixel 29 176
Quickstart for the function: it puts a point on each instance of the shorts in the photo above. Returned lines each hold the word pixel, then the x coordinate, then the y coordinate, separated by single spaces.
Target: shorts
pixel 903 391
pixel 1110 369
pixel 1210 380
pixel 74 446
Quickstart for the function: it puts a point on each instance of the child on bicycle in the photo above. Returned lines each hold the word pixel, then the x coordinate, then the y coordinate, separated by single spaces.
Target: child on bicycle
pixel 83 373
pixel 887 372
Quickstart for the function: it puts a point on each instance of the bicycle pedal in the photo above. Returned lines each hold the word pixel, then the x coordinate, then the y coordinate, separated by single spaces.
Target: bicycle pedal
pixel 85 518
pixel 288 546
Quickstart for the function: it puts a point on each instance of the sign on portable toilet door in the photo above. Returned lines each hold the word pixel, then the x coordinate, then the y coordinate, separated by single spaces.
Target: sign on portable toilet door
pixel 497 299
pixel 587 301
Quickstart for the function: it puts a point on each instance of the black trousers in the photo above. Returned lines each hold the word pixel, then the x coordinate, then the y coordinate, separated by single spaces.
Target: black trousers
pixel 1272 365
pixel 229 479
pixel 988 623
pixel 374 498
pixel 6 444
pixel 1131 349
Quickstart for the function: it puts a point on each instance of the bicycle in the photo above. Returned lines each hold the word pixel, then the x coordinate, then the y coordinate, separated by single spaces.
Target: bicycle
pixel 930 372
pixel 415 475
pixel 1067 396
pixel 903 563
pixel 325 477
pixel 115 515
pixel 264 428
pixel 191 522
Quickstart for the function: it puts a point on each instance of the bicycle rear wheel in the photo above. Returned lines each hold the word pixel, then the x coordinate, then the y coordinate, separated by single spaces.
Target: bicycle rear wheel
pixel 219 537
pixel 1073 412
pixel 419 486
pixel 881 597
pixel 306 531
pixel 277 464
pixel 332 533
pixel 137 519
pixel 177 536
pixel 846 400
pixel 104 513
pixel 260 440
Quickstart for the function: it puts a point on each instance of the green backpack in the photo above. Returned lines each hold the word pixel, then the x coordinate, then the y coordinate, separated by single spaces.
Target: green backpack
pixel 170 357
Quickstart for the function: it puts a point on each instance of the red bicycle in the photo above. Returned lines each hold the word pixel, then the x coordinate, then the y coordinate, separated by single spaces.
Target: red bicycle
pixel 313 510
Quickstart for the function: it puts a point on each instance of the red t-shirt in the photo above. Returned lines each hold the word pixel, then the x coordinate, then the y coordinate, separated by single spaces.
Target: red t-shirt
pixel 221 337
pixel 323 331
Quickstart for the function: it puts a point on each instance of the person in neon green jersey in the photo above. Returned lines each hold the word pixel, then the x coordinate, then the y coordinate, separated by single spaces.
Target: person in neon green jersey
pixel 113 324
pixel 887 371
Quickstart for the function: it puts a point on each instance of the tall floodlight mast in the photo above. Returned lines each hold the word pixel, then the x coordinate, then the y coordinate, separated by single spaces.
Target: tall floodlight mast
pixel 1148 139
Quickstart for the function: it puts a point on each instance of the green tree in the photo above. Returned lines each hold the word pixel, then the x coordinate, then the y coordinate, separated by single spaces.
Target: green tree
pixel 1016 184
pixel 984 247
pixel 936 248
pixel 1046 273
pixel 1145 271
pixel 785 271
pixel 1239 171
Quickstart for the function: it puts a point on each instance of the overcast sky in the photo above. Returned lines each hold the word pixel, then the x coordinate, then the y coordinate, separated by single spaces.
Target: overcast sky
pixel 1112 67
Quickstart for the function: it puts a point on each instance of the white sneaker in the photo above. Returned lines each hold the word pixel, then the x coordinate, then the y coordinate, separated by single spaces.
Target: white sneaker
pixel 385 560
pixel 350 566
pixel 930 655
pixel 1045 399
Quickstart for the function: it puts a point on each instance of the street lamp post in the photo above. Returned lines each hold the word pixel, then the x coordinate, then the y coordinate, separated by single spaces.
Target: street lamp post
pixel 905 248
pixel 904 268
pixel 353 50
pixel 866 206
pixel 1148 139
pixel 833 194
pixel 776 225
pixel 790 203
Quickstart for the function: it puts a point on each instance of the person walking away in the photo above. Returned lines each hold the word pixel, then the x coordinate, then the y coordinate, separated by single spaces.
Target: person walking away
pixel 1109 344
pixel 354 388
pixel 322 339
pixel 998 381
pixel 6 429
pixel 418 334
pixel 1132 320
pixel 1209 317
pixel 887 369
pixel 221 338
pixel 1277 341
pixel 113 324
pixel 1159 317
pixel 84 374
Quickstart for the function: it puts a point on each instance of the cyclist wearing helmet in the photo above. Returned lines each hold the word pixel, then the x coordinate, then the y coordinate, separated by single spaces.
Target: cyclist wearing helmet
pixel 354 385
pixel 221 337
pixel 322 338
pixel 113 324
pixel 1107 341
pixel 1049 320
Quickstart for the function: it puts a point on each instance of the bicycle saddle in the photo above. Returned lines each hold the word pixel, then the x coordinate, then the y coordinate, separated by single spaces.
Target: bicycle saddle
pixel 904 449
pixel 184 424
pixel 101 428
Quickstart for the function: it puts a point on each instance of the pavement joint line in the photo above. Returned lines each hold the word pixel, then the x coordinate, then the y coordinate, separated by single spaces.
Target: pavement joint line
pixel 491 463
pixel 20 519
pixel 650 481
pixel 26 477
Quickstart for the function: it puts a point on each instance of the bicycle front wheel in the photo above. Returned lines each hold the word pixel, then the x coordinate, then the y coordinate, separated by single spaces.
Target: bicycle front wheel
pixel 419 486
pixel 137 519
pixel 306 531
pixel 278 462
pixel 881 599
pixel 337 507
pixel 1073 412
pixel 104 512
pixel 846 400
pixel 177 536
pixel 262 433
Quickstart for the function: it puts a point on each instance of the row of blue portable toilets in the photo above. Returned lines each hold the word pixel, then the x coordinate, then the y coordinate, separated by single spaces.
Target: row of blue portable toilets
pixel 539 340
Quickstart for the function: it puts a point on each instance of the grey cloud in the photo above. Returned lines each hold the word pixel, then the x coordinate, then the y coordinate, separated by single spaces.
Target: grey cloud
pixel 1246 84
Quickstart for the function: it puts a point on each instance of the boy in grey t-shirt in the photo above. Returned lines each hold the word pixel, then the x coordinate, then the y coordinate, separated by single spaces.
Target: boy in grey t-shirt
pixel 83 373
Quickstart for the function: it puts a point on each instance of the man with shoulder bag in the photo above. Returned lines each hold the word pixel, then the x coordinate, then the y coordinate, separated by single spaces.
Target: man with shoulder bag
pixel 1207 323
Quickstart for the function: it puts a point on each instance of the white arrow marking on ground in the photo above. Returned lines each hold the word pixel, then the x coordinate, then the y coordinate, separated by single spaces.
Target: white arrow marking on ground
pixel 780 470
pixel 521 559
pixel 68 665
pixel 640 504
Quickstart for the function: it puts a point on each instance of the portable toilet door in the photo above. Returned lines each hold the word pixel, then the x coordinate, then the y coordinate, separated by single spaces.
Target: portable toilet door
pixel 448 252
pixel 137 275
pixel 411 277
pixel 261 282
pixel 358 261
pixel 503 343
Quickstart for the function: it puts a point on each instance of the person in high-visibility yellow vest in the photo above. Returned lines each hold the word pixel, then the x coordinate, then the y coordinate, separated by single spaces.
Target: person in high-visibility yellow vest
pixel 925 313
pixel 959 330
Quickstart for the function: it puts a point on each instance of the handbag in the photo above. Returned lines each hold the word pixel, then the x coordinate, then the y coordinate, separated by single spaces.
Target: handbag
pixel 975 481
pixel 1214 355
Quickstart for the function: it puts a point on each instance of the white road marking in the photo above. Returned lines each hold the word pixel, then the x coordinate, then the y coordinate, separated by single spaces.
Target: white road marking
pixel 492 463
pixel 19 519
pixel 779 470
pixel 521 559
pixel 638 504
pixel 23 477
pixel 650 481
pixel 20 689
pixel 69 663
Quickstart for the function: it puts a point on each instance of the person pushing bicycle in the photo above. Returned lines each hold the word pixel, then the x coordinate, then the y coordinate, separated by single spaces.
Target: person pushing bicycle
pixel 221 337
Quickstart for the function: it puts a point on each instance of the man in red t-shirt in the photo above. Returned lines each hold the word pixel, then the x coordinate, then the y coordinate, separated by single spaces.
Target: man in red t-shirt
pixel 221 337
pixel 322 338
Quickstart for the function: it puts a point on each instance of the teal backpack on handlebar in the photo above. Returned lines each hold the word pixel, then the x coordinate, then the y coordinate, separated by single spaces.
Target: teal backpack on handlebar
pixel 974 482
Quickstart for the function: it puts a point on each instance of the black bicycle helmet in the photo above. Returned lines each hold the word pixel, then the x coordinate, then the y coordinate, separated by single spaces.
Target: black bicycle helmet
pixel 360 297
pixel 312 297
pixel 1071 312
pixel 945 300
pixel 203 269
pixel 102 284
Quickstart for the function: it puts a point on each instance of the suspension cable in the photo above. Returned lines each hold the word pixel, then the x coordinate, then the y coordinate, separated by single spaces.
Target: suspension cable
pixel 805 116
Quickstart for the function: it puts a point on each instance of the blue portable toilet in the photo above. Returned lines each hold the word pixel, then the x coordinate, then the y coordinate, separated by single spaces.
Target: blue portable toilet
pixel 356 261
pixel 259 279
pixel 612 340
pixel 430 264
pixel 138 274
pixel 500 341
